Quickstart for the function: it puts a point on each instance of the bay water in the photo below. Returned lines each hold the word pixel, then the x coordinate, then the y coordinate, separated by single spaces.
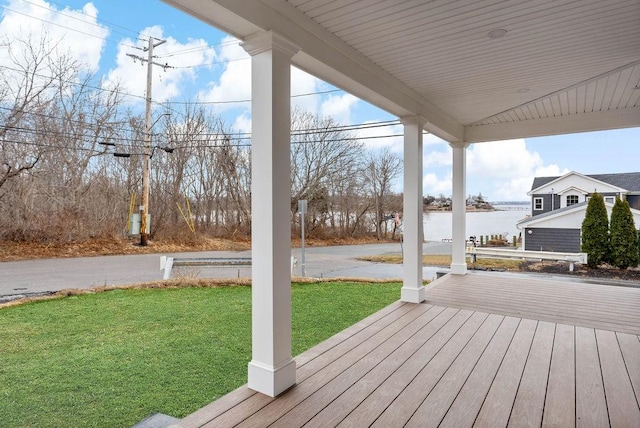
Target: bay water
pixel 438 225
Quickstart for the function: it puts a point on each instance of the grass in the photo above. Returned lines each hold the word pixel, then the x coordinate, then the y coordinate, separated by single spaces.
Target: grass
pixel 445 260
pixel 110 359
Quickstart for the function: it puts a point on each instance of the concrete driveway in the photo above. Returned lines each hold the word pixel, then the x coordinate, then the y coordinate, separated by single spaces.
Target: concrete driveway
pixel 48 275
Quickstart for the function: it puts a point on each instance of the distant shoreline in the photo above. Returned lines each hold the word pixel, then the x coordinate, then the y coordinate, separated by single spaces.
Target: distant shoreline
pixel 469 209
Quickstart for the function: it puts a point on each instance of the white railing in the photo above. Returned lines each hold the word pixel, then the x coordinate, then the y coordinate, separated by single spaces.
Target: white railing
pixel 167 263
pixel 572 258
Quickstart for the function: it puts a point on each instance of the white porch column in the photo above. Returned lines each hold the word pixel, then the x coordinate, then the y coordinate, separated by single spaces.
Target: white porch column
pixel 459 208
pixel 272 370
pixel 412 288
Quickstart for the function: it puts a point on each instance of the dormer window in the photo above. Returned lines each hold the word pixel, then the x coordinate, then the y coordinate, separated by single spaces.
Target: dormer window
pixel 572 200
pixel 537 204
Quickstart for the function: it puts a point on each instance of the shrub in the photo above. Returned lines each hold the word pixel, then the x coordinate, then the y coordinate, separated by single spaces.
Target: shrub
pixel 624 241
pixel 595 231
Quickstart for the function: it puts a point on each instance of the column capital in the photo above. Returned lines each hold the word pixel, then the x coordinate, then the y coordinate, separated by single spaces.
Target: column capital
pixel 413 120
pixel 459 144
pixel 267 40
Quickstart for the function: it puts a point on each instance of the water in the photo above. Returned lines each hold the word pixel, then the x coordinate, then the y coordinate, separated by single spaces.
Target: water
pixel 437 225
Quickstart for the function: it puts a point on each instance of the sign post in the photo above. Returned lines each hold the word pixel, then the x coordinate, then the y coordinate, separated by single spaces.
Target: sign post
pixel 302 209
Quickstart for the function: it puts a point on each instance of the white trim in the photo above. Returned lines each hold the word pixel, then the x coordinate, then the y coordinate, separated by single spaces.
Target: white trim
pixel 541 203
pixel 272 368
pixel 458 209
pixel 574 189
pixel 537 189
pixel 586 122
pixel 413 215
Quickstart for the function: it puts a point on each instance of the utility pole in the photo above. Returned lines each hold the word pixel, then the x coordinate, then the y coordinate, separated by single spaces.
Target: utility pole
pixel 146 163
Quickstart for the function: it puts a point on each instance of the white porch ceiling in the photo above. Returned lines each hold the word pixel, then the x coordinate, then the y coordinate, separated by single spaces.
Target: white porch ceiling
pixel 562 66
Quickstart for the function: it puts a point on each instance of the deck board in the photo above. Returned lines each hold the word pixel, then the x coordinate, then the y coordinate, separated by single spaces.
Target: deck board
pixel 591 405
pixel 410 399
pixel 496 408
pixel 467 404
pixel 621 402
pixel 559 404
pixel 434 406
pixel 529 404
pixel 338 407
pixel 368 410
pixel 483 350
pixel 586 305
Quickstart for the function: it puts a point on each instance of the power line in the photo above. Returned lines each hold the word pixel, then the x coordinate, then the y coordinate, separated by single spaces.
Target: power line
pixel 50 116
pixel 53 23
pixel 169 133
pixel 134 32
pixel 52 146
pixel 61 13
pixel 55 134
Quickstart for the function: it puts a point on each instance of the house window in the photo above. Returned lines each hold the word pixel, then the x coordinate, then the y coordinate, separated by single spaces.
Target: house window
pixel 572 200
pixel 537 204
pixel 609 200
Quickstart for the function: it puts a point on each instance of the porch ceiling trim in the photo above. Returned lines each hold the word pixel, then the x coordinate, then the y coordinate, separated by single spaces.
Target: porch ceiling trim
pixel 324 56
pixel 562 68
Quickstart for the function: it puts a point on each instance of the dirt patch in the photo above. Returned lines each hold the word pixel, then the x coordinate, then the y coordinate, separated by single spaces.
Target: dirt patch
pixel 12 251
pixel 109 246
pixel 582 271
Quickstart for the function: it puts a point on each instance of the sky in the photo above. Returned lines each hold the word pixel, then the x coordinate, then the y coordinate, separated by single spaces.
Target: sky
pixel 209 66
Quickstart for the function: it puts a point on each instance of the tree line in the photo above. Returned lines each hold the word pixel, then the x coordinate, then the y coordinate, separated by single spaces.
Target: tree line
pixel 60 180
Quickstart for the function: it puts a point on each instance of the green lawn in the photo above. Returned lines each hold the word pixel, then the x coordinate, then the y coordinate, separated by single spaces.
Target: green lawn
pixel 110 359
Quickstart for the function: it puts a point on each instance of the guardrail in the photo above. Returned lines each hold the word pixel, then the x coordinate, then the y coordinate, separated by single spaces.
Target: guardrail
pixel 167 263
pixel 572 258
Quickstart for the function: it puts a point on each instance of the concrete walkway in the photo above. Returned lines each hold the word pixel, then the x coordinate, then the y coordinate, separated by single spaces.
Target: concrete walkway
pixel 49 275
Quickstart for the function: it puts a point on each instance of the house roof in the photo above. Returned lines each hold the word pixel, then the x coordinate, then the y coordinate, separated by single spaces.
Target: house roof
pixel 629 181
pixel 554 213
pixel 474 71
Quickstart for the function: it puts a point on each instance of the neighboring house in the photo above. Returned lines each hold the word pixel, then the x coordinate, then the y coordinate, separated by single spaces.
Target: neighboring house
pixel 559 204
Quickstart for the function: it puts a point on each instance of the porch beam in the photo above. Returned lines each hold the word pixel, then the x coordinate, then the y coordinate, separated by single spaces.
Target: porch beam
pixel 584 122
pixel 272 369
pixel 459 208
pixel 412 288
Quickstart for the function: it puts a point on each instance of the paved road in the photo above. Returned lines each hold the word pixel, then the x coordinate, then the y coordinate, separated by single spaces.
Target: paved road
pixel 41 276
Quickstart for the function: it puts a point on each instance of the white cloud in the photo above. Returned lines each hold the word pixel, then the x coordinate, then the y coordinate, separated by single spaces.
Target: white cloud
pixel 242 123
pixel 432 140
pixel 339 107
pixel 74 33
pixel 434 158
pixel 235 81
pixel 132 75
pixel 432 185
pixel 304 83
pixel 507 167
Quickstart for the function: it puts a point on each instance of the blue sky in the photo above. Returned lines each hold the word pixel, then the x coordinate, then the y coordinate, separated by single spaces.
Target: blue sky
pixel 212 68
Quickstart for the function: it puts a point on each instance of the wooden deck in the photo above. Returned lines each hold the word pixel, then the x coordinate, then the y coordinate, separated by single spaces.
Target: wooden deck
pixel 484 350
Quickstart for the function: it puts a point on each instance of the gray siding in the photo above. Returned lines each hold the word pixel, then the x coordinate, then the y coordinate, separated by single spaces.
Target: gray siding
pixel 549 239
pixel 546 203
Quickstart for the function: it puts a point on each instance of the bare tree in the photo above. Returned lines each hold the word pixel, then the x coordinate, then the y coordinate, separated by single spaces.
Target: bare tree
pixel 321 155
pixel 381 169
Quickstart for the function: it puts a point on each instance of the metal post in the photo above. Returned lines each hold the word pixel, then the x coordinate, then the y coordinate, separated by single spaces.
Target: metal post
pixel 302 208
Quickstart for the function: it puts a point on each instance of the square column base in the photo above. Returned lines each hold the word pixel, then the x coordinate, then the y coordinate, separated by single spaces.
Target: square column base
pixel 459 268
pixel 272 381
pixel 412 295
